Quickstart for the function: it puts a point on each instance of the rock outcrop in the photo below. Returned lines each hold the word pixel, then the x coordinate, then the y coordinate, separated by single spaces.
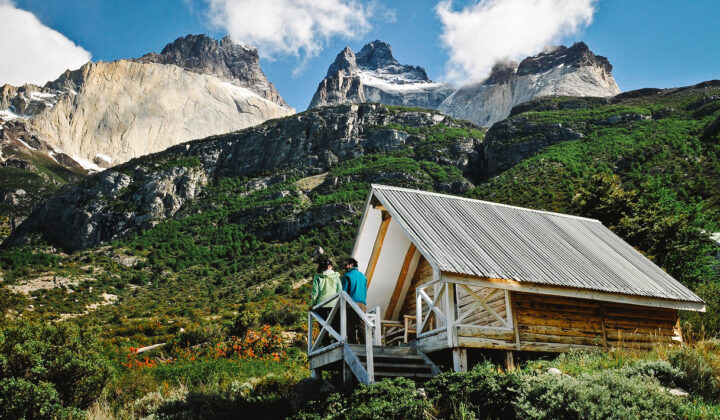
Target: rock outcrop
pixel 139 193
pixel 107 113
pixel 225 59
pixel 374 75
pixel 558 71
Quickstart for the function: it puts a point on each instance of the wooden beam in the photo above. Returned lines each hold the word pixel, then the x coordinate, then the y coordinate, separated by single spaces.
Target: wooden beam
pixel 509 361
pixel 572 292
pixel 432 343
pixel 400 284
pixel 511 310
pixel 678 327
pixel 460 361
pixel 379 239
pixel 604 330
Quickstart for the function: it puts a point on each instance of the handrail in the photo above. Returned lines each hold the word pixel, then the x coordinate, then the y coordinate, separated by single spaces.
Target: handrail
pixel 371 321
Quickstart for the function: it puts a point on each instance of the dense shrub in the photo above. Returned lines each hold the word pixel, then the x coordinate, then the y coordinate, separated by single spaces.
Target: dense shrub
pixel 484 391
pixel 604 395
pixel 20 399
pixel 10 301
pixel 390 399
pixel 196 335
pixel 664 372
pixel 247 319
pixel 281 312
pixel 386 400
pixel 699 376
pixel 44 367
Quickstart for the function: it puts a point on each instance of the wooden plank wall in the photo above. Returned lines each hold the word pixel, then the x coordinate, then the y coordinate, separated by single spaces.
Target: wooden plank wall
pixel 423 274
pixel 480 316
pixel 551 323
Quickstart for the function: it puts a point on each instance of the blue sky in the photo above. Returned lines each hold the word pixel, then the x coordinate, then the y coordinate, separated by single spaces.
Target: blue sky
pixel 659 43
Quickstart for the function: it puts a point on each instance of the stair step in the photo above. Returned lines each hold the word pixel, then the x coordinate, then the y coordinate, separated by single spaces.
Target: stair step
pixel 422 366
pixel 379 351
pixel 409 359
pixel 403 374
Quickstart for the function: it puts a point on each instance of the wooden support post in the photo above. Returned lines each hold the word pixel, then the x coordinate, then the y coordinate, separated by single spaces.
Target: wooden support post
pixel 377 330
pixel 450 314
pixel 678 328
pixel 346 375
pixel 400 284
pixel 460 362
pixel 511 310
pixel 369 360
pixel 509 361
pixel 316 373
pixel 310 332
pixel 604 331
pixel 377 247
pixel 343 319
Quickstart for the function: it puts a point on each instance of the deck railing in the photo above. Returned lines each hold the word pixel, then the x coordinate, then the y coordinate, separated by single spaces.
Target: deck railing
pixel 370 321
pixel 429 308
pixel 458 304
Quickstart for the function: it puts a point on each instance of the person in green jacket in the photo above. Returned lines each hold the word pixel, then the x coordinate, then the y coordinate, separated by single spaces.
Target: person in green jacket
pixel 325 284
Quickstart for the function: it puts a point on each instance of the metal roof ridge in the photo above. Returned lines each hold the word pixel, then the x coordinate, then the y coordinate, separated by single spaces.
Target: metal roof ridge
pixel 456 197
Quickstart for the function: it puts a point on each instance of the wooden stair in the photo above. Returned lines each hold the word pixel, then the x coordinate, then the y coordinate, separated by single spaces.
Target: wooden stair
pixel 389 362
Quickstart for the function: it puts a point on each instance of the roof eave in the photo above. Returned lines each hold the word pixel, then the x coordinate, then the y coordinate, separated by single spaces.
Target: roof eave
pixel 517 286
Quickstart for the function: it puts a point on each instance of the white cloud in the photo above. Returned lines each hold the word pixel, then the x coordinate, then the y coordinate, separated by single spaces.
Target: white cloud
pixel 487 31
pixel 291 27
pixel 32 52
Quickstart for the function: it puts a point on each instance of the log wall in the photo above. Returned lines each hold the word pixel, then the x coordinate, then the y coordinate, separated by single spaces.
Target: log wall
pixel 557 324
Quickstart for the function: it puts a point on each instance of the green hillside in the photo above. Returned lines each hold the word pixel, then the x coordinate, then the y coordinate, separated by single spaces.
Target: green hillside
pixel 238 256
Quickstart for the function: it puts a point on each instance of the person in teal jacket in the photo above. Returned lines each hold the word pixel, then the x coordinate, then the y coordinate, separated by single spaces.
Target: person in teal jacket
pixel 355 284
pixel 325 284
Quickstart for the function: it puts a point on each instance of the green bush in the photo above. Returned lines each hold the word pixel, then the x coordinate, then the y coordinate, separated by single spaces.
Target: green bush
pixel 389 399
pixel 21 399
pixel 45 366
pixel 483 391
pixel 281 312
pixel 386 400
pixel 195 335
pixel 247 319
pixel 10 301
pixel 604 395
pixel 664 372
pixel 699 376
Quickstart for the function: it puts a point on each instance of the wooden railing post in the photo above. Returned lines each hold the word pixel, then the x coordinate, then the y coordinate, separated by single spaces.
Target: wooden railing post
pixel 450 305
pixel 310 331
pixel 418 313
pixel 343 319
pixel 377 330
pixel 370 366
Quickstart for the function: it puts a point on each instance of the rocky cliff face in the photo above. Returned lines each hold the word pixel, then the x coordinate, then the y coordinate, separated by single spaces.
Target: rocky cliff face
pixel 225 59
pixel 559 71
pixel 374 75
pixel 107 113
pixel 141 192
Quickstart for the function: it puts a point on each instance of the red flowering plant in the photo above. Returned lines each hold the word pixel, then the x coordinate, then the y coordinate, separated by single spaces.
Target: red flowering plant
pixel 258 344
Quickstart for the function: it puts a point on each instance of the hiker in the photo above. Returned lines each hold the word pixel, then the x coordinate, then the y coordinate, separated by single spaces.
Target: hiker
pixel 355 284
pixel 325 284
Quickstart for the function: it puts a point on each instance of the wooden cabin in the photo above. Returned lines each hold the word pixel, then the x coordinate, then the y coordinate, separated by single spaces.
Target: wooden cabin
pixel 459 274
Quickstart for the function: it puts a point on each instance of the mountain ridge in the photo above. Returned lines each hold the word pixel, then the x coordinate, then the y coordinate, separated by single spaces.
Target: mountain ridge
pixel 374 75
pixel 558 71
pixel 223 58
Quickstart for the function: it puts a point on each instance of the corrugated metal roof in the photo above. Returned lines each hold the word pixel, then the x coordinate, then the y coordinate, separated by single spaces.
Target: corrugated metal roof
pixel 494 240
